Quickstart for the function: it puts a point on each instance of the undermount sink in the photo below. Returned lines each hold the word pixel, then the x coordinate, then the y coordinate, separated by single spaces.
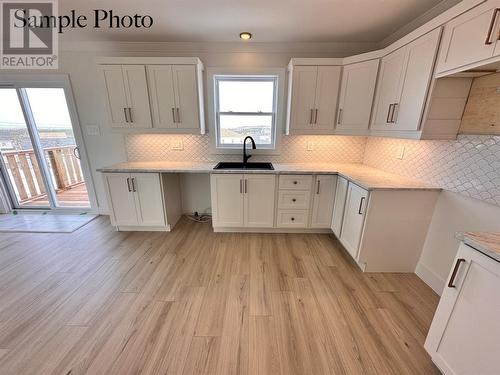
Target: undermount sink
pixel 247 166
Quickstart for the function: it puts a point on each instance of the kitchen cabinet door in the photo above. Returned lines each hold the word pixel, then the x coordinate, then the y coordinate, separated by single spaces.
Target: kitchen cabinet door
pixel 161 84
pixel 149 198
pixel 121 199
pixel 465 333
pixel 421 55
pixel 327 90
pixel 392 68
pixel 323 200
pixel 356 95
pixel 303 97
pixel 339 205
pixel 227 200
pixel 259 201
pixel 136 89
pixel 471 37
pixel 354 217
pixel 186 96
pixel 115 95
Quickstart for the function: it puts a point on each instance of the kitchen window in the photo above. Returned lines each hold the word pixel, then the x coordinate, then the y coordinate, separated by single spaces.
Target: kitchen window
pixel 245 105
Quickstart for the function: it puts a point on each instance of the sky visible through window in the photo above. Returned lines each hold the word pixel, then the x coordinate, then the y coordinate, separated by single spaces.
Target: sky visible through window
pixel 246 108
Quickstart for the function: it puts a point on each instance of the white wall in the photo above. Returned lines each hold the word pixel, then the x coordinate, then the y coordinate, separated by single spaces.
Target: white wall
pixel 453 213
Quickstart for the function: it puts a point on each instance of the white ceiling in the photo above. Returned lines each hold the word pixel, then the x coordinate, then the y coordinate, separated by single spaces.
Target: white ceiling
pixel 268 20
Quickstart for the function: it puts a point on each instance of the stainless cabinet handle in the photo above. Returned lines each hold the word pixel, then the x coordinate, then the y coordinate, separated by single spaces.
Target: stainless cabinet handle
pixel 454 273
pixel 134 189
pixel 317 189
pixel 492 25
pixel 393 116
pixel 388 119
pixel 311 117
pixel 178 115
pixel 173 115
pixel 339 117
pixel 241 186
pixel 315 116
pixel 126 116
pixel 130 114
pixel 128 185
pixel 361 205
pixel 245 185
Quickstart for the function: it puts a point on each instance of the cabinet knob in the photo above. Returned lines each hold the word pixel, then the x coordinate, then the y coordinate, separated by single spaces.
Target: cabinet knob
pixel 293 219
pixel 294 200
pixel 295 182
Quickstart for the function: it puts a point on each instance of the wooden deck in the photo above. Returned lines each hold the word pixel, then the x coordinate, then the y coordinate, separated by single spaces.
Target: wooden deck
pixel 192 301
pixel 75 196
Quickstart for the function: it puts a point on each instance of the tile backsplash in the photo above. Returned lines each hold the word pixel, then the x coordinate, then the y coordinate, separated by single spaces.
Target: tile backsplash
pixel 469 166
pixel 293 149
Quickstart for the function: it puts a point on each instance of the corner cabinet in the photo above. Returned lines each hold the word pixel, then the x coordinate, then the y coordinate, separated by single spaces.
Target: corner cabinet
pixel 143 201
pixel 471 40
pixel 243 200
pixel 159 94
pixel 312 97
pixel 404 82
pixel 382 229
pixel 356 97
pixel 464 336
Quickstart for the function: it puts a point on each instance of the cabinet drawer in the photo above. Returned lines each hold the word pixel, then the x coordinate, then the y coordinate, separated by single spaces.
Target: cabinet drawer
pixel 294 199
pixel 292 218
pixel 295 182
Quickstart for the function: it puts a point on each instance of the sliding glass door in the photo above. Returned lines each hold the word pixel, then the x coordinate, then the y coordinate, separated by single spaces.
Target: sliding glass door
pixel 39 156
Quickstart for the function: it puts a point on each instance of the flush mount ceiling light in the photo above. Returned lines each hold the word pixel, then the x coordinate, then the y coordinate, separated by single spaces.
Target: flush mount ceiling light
pixel 245 35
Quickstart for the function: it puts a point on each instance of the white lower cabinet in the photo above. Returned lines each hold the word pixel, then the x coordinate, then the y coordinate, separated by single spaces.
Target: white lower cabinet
pixel 354 216
pixel 339 205
pixel 323 199
pixel 243 200
pixel 143 201
pixel 465 333
pixel 384 230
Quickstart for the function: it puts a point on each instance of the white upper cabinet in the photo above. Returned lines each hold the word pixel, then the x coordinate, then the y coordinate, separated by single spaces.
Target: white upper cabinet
pixel 313 95
pixel 161 85
pixel 356 96
pixel 127 96
pixel 405 77
pixel 470 39
pixel 157 93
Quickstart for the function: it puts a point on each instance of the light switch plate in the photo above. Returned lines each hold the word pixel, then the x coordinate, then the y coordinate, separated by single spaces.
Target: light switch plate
pixel 92 130
pixel 177 145
pixel 310 146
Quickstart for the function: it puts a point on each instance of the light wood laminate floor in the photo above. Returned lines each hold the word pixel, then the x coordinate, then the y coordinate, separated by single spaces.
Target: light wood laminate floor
pixel 98 301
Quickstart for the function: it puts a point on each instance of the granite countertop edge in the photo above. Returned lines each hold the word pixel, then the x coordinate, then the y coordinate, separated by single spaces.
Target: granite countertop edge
pixel 349 171
pixel 487 243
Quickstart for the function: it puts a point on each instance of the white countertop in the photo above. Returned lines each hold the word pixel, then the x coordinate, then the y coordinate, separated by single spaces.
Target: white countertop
pixel 362 175
pixel 486 242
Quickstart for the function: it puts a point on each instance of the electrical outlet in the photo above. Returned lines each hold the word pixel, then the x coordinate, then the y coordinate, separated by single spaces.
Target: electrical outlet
pixel 310 146
pixel 177 145
pixel 400 153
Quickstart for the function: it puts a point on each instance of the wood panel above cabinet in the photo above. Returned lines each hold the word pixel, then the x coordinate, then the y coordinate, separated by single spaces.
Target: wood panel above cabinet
pixel 154 94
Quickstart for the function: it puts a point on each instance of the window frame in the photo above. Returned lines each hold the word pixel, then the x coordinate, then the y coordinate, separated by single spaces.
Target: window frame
pixel 279 121
pixel 218 113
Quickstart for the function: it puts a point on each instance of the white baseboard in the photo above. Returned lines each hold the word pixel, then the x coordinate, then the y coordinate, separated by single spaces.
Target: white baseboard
pixel 430 278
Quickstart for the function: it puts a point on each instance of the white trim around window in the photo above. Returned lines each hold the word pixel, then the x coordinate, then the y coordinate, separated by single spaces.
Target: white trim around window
pixel 277 74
